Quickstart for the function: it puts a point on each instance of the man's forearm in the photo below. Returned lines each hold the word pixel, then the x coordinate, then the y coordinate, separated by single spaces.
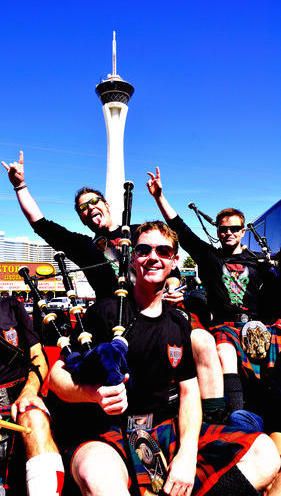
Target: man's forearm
pixel 35 379
pixel 28 205
pixel 190 416
pixel 165 208
pixel 61 383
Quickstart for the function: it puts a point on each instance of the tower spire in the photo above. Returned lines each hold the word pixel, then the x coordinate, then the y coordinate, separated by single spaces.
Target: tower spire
pixel 114 55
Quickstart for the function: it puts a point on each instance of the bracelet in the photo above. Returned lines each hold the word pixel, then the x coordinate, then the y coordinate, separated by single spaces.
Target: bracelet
pixel 22 186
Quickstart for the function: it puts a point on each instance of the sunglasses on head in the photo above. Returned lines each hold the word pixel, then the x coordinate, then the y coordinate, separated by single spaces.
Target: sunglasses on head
pixel 163 251
pixel 233 229
pixel 93 201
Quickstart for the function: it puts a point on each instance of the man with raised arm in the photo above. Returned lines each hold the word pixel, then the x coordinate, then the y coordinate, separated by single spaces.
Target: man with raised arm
pixel 22 369
pixel 137 423
pixel 234 278
pixel 83 250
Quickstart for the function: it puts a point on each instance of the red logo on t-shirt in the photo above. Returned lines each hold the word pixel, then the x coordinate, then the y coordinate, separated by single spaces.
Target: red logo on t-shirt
pixel 174 355
pixel 11 336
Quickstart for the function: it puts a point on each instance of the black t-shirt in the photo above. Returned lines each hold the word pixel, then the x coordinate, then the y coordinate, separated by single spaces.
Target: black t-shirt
pixel 159 356
pixel 159 353
pixel 16 329
pixel 234 283
pixel 84 251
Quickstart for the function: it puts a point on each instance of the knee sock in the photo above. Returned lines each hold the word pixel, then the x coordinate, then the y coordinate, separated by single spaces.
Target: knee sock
pixel 233 392
pixel 233 482
pixel 45 475
pixel 214 410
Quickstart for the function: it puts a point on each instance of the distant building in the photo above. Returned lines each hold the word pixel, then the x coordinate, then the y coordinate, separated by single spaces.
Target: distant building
pixel 23 250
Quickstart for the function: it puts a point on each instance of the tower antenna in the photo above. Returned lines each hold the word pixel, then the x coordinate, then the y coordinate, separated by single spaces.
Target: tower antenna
pixel 114 55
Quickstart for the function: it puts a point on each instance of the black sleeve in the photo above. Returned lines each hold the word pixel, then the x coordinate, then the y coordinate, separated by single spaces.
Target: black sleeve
pixel 83 251
pixel 76 246
pixel 187 369
pixel 189 241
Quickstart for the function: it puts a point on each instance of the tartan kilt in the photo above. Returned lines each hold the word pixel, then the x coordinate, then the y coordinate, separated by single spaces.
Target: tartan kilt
pixel 220 448
pixel 231 334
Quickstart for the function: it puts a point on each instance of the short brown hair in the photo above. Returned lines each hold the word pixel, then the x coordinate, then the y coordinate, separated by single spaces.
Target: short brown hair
pixel 156 225
pixel 83 191
pixel 229 212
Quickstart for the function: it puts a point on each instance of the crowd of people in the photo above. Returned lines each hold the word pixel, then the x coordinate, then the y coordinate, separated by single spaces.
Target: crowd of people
pixel 197 407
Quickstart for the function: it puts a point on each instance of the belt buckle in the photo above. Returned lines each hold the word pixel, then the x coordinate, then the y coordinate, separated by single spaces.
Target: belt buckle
pixel 137 422
pixel 255 339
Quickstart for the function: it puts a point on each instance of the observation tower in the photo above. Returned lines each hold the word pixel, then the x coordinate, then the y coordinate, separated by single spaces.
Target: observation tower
pixel 115 94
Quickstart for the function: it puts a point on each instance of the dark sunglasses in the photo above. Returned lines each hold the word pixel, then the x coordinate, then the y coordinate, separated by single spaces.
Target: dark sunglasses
pixel 163 251
pixel 93 201
pixel 233 229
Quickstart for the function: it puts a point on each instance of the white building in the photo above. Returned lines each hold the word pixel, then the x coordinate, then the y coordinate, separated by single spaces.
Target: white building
pixel 23 249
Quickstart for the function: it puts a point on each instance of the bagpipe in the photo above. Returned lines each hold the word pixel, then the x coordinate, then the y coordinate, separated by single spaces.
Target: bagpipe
pixel 263 243
pixel 104 363
pixel 199 214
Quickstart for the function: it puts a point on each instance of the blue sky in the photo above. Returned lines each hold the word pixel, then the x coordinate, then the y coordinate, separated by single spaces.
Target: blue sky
pixel 206 107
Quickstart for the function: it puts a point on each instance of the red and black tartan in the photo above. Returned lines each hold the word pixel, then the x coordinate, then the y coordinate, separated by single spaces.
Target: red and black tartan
pixel 229 332
pixel 220 448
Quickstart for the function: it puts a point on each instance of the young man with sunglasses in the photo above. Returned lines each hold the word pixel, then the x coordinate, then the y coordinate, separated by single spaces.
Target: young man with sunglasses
pixel 136 425
pixel 233 276
pixel 83 250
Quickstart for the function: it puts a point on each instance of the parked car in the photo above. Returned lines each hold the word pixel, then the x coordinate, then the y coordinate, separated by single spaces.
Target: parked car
pixel 61 302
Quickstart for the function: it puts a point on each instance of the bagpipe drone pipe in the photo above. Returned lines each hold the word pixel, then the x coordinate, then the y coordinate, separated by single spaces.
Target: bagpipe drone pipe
pixel 104 363
pixel 49 319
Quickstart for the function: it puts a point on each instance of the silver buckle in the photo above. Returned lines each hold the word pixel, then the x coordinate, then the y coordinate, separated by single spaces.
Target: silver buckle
pixel 137 422
pixel 255 339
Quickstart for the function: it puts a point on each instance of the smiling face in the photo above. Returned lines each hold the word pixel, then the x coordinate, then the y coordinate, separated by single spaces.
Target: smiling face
pixel 154 267
pixel 94 211
pixel 231 232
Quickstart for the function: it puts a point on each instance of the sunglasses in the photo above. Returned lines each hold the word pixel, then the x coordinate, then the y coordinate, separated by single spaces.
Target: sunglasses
pixel 233 229
pixel 93 201
pixel 162 251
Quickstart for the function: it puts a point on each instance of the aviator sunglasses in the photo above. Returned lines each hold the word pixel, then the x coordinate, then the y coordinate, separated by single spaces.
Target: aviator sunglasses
pixel 163 251
pixel 93 201
pixel 233 229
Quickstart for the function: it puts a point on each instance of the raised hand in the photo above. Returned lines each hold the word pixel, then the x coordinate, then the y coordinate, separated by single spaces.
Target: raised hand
pixel 154 184
pixel 16 171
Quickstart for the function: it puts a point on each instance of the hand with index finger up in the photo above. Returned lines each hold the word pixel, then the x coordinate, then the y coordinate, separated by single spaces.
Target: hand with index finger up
pixel 16 171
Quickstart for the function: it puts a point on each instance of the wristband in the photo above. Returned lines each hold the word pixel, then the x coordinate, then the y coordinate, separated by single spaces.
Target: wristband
pixel 18 188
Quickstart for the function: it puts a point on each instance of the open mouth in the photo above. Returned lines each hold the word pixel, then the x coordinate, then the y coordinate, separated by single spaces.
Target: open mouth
pixel 96 217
